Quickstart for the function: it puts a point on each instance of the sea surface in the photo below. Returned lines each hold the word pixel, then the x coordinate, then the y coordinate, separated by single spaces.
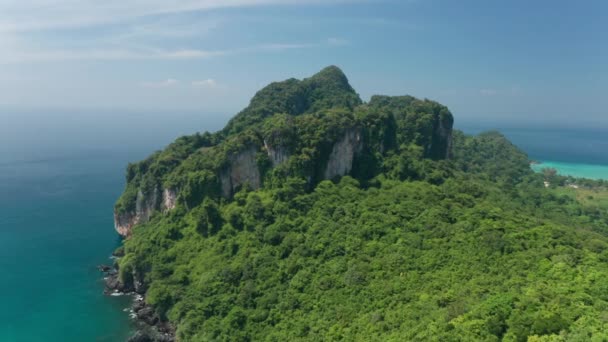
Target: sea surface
pixel 60 174
pixel 55 227
pixel 58 185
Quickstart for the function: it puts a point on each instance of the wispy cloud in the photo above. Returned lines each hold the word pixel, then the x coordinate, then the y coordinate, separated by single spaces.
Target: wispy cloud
pixel 170 82
pixel 32 15
pixel 208 83
pixel 109 54
pixel 166 29
pixel 124 30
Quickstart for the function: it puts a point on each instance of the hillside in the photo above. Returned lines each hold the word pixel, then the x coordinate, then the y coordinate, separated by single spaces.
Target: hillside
pixel 316 129
pixel 315 216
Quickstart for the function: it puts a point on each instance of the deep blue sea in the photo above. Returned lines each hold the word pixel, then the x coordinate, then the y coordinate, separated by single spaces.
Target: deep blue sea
pixel 58 184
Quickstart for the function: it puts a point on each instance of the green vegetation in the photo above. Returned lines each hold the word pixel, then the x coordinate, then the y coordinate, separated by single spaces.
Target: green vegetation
pixel 409 246
pixel 305 119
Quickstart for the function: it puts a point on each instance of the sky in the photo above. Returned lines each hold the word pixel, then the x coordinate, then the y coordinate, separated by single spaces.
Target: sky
pixel 489 61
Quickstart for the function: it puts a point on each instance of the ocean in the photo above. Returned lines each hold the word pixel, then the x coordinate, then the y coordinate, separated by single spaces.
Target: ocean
pixel 576 152
pixel 60 174
pixel 55 227
pixel 58 189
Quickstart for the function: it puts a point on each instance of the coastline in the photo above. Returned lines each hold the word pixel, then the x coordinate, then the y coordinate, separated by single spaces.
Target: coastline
pixel 148 326
pixel 578 170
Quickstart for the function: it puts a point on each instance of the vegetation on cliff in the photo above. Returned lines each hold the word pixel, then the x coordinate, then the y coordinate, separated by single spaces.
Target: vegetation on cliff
pixel 406 245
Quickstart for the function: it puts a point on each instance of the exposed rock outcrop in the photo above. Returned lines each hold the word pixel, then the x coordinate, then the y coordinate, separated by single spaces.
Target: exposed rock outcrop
pixel 343 154
pixel 294 110
pixel 145 206
pixel 445 136
pixel 277 154
pixel 169 199
pixel 242 169
pixel 149 326
pixel 123 222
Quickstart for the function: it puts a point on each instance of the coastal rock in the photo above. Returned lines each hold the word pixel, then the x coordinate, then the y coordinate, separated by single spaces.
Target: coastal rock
pixel 138 305
pixel 118 252
pixel 150 326
pixel 147 315
pixel 343 154
pixel 141 337
pixel 104 268
pixel 138 283
pixel 113 284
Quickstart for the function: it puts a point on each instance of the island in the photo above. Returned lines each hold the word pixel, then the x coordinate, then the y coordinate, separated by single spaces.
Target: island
pixel 314 215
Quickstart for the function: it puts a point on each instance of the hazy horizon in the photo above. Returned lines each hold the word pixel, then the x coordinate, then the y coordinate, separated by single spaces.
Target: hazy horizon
pixel 39 135
pixel 535 63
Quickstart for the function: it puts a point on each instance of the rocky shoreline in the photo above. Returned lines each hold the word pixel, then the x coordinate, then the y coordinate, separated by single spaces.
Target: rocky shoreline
pixel 148 325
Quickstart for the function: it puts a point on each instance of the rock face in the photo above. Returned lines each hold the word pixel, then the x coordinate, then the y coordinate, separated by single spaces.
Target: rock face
pixel 295 110
pixel 242 169
pixel 341 159
pixel 145 206
pixel 124 222
pixel 169 199
pixel 277 154
pixel 445 135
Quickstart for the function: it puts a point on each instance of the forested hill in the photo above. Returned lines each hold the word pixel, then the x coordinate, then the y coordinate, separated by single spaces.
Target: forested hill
pixel 315 129
pixel 314 216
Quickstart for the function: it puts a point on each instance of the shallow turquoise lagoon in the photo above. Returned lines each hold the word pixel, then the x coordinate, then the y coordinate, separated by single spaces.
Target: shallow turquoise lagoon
pixel 575 169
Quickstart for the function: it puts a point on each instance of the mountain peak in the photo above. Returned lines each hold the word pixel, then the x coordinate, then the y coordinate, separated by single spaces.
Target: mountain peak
pixel 327 89
pixel 331 73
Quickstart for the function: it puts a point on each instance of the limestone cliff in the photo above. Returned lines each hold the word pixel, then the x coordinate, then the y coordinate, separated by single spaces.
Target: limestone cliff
pixel 145 206
pixel 169 199
pixel 343 154
pixel 242 169
pixel 277 154
pixel 316 128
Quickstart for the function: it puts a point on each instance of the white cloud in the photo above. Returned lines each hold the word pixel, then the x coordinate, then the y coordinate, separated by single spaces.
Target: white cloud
pixel 208 83
pixel 124 29
pixel 32 15
pixel 162 29
pixel 161 84
pixel 31 55
pixel 186 54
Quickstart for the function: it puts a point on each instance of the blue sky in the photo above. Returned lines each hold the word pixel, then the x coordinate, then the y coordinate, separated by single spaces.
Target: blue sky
pixel 516 61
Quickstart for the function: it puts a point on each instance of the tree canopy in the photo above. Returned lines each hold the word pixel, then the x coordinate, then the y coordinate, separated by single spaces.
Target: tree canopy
pixel 410 246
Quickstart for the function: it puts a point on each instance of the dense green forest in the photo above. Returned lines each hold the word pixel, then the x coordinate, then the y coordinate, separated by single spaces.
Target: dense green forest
pixel 433 235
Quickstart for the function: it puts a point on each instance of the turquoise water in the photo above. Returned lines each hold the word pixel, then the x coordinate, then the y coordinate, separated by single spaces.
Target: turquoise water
pixel 55 227
pixel 590 171
pixel 571 151
pixel 60 174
